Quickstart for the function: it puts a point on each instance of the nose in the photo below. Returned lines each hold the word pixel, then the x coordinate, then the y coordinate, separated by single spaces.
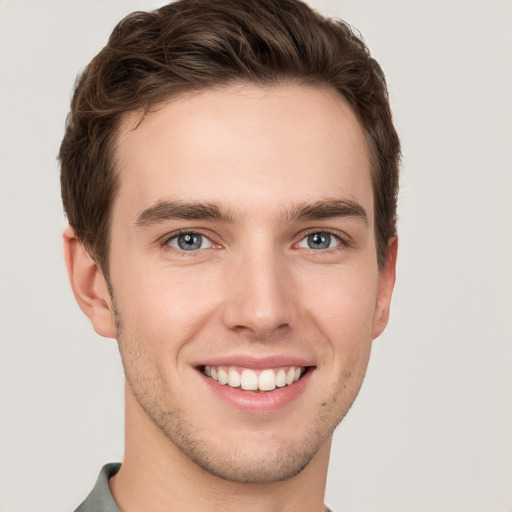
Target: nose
pixel 260 296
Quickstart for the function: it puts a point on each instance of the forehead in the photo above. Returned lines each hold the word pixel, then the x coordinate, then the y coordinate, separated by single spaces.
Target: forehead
pixel 244 145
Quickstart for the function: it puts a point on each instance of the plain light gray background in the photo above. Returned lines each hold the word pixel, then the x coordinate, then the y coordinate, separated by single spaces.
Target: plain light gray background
pixel 432 427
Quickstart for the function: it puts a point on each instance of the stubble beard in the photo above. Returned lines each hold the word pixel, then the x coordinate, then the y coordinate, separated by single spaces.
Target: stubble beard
pixel 231 463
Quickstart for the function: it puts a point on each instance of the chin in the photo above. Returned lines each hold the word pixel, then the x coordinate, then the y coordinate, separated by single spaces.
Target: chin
pixel 252 465
pixel 252 457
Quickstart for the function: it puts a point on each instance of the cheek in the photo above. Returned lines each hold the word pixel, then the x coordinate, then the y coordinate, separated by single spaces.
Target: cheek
pixel 166 304
pixel 342 304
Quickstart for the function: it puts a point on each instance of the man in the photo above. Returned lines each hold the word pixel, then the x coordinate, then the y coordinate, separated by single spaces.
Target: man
pixel 230 172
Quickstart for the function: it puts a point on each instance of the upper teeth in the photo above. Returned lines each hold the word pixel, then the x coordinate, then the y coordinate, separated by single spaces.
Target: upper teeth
pixel 252 380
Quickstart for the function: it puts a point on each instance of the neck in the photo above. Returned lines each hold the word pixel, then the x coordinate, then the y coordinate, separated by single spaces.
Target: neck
pixel 157 476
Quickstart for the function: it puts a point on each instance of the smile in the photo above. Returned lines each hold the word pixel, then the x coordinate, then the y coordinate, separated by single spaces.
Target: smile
pixel 254 380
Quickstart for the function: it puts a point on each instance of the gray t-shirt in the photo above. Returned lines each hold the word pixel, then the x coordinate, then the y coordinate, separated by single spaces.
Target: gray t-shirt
pixel 100 499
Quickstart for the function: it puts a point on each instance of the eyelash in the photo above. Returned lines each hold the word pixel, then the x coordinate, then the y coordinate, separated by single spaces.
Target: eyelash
pixel 343 242
pixel 167 241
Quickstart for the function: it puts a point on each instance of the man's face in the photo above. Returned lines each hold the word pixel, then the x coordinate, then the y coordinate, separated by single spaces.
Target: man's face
pixel 243 250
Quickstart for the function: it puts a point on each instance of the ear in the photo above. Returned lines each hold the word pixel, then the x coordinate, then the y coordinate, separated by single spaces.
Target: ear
pixel 89 285
pixel 386 284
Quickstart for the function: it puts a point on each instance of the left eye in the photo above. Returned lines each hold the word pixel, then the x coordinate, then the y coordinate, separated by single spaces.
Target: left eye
pixel 190 242
pixel 319 241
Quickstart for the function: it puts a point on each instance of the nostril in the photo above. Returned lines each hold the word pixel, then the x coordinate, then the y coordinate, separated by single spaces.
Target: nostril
pixel 261 331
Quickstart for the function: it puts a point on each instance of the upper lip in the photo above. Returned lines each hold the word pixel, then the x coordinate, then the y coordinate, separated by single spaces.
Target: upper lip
pixel 256 363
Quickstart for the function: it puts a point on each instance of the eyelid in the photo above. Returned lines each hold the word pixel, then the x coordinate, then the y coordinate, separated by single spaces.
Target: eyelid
pixel 166 239
pixel 343 239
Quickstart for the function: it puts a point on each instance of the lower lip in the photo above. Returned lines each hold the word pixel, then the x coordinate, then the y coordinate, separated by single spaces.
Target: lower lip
pixel 253 401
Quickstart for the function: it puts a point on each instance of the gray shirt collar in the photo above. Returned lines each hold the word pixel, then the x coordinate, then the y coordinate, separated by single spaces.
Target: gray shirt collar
pixel 100 499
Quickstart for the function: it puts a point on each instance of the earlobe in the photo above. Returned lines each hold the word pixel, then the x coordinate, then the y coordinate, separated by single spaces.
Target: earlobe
pixel 89 285
pixel 386 284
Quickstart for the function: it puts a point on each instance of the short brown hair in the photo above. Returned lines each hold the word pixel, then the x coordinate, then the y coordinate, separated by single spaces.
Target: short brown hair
pixel 196 44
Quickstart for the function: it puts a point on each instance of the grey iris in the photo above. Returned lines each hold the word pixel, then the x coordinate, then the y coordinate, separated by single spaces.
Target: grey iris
pixel 319 241
pixel 190 241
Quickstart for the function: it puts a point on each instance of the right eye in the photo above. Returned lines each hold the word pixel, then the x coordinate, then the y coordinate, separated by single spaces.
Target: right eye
pixel 189 241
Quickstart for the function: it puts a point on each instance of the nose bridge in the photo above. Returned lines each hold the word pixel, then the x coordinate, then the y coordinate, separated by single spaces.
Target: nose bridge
pixel 260 297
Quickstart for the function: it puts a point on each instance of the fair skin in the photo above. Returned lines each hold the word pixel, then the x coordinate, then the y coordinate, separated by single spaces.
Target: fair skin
pixel 242 240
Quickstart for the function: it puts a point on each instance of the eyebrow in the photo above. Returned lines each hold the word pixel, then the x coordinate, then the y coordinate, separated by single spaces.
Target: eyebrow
pixel 168 210
pixel 327 209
